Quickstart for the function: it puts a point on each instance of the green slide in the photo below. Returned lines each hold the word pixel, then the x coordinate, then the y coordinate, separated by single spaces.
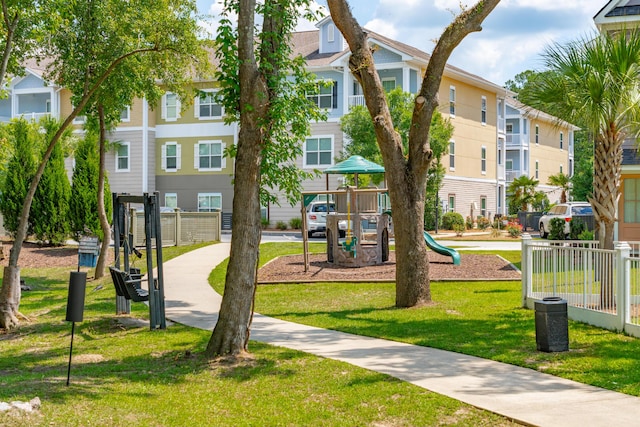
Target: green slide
pixel 442 250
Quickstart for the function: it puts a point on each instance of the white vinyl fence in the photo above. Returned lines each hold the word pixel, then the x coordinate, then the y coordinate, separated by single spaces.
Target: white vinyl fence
pixel 601 287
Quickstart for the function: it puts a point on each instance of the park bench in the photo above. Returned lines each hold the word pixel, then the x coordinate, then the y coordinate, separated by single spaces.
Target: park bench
pixel 128 287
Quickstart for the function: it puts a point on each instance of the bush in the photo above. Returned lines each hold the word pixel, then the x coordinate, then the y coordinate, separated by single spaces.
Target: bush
pixel 586 235
pixel 295 223
pixel 483 223
pixel 514 229
pixel 450 219
pixel 281 225
pixel 469 223
pixel 576 228
pixel 459 229
pixel 556 231
pixel 264 222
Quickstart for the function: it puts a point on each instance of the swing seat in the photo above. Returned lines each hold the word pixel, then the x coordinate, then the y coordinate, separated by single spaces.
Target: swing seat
pixel 128 287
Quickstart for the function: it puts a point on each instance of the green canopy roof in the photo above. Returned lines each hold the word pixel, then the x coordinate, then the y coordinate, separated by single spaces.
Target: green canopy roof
pixel 355 164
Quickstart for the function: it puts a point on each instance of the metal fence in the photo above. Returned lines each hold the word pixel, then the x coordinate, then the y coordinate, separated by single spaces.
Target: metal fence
pixel 601 287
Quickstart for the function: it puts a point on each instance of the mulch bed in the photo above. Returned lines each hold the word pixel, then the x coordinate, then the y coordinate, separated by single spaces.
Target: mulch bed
pixel 290 269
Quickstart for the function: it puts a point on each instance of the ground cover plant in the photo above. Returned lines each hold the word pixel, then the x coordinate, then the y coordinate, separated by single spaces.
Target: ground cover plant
pixel 483 319
pixel 124 374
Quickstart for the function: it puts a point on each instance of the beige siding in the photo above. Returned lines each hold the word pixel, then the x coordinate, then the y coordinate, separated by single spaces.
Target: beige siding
pixel 468 191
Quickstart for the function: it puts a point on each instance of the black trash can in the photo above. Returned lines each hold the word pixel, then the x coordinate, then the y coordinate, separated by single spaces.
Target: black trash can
pixel 552 325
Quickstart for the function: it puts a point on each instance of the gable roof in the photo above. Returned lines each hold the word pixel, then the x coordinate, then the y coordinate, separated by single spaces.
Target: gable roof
pixel 617 13
pixel 307 44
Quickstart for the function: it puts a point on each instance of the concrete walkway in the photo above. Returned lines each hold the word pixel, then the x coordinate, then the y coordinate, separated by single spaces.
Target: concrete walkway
pixel 524 395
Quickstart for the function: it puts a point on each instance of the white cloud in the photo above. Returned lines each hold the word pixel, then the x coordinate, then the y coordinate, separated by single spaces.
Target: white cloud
pixel 550 5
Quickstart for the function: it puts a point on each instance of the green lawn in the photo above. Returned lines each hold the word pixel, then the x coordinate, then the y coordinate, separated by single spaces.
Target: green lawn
pixel 483 319
pixel 125 375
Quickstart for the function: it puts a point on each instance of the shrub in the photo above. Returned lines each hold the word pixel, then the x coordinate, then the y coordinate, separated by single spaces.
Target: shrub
pixel 264 222
pixel 281 225
pixel 450 219
pixel 586 235
pixel 556 231
pixel 295 223
pixel 495 233
pixel 469 222
pixel 576 228
pixel 459 229
pixel 514 229
pixel 483 223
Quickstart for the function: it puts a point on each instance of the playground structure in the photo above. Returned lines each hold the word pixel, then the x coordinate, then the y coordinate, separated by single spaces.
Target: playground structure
pixel 366 241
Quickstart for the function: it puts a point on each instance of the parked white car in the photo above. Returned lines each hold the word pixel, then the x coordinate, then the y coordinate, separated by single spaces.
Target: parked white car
pixel 566 211
pixel 317 218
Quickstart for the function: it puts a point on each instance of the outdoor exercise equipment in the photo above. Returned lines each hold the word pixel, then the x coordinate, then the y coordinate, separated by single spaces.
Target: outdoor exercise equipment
pixel 125 281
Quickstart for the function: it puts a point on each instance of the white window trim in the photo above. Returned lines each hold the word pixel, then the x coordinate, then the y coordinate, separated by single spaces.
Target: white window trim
pixel 483 160
pixel 208 195
pixel 331 33
pixel 196 156
pixel 537 170
pixel 452 100
pixel 173 195
pixel 321 82
pixel 164 108
pixel 128 145
pixel 196 107
pixel 128 118
pixel 178 157
pixel 388 79
pixel 537 135
pixel 452 168
pixel 452 206
pixel 304 151
pixel 562 141
pixel 483 109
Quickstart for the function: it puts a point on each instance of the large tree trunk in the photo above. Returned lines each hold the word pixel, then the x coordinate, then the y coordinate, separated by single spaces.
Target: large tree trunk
pixel 231 333
pixel 102 212
pixel 407 177
pixel 10 298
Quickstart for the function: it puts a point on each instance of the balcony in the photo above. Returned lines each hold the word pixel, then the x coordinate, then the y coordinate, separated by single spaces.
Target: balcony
pixel 355 100
pixel 517 140
pixel 512 174
pixel 33 116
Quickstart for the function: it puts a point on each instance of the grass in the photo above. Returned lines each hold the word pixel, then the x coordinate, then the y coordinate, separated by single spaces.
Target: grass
pixel 483 319
pixel 124 374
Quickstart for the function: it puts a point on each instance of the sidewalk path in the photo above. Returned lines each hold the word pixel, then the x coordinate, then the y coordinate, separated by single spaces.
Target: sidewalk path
pixel 525 395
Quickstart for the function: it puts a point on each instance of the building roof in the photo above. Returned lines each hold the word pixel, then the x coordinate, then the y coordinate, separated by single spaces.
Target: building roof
pixel 537 114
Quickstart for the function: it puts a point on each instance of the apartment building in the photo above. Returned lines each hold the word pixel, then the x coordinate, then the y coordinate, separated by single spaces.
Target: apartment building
pixel 179 152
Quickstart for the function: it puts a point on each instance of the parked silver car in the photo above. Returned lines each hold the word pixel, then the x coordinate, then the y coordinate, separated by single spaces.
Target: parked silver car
pixel 317 218
pixel 566 211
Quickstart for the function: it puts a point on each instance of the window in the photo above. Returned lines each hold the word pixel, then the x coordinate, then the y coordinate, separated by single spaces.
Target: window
pixel 509 127
pixel 318 151
pixel 170 106
pixel 209 202
pixel 561 140
pixel 452 100
pixel 483 206
pixel 452 155
pixel 509 164
pixel 561 169
pixel 389 84
pixel 206 106
pixel 500 156
pixel 631 190
pixel 122 157
pixel 325 96
pixel 452 203
pixel 331 33
pixel 483 160
pixel 125 114
pixel 209 156
pixel 171 200
pixel 483 110
pixel 537 170
pixel 537 134
pixel 171 157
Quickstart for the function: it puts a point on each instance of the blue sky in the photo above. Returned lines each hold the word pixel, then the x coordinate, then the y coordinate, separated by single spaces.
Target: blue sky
pixel 512 39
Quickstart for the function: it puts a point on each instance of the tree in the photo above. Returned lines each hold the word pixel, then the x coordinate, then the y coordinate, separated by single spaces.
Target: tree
pixel 83 207
pixel 521 193
pixel 50 214
pixel 358 127
pixel 582 179
pixel 406 170
pixel 265 89
pixel 595 82
pixel 97 43
pixel 563 181
pixel 22 166
pixel 22 23
pixel 520 81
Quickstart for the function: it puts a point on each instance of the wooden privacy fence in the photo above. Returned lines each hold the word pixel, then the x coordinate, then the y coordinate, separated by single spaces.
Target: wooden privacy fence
pixel 180 228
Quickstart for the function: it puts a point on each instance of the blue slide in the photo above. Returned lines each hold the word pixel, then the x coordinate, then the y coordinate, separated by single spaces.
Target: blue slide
pixel 442 250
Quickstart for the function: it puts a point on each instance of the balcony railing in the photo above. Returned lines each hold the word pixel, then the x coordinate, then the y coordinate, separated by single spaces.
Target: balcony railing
pixel 33 116
pixel 517 139
pixel 513 174
pixel 355 100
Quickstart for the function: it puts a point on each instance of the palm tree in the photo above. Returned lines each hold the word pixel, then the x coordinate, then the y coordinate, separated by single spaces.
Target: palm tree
pixel 595 82
pixel 522 192
pixel 563 181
